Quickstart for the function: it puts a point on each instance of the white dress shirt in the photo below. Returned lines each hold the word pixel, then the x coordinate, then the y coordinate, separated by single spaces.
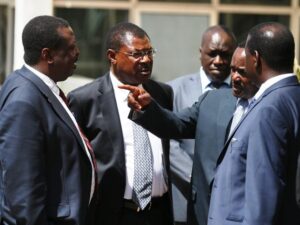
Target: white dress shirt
pixel 159 185
pixel 206 81
pixel 55 90
pixel 268 83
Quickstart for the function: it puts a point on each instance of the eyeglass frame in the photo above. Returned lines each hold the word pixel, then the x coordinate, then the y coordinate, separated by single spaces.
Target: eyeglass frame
pixel 142 53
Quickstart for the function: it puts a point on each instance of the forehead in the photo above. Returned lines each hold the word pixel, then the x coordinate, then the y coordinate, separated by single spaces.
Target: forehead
pixel 239 56
pixel 130 41
pixel 218 39
pixel 67 34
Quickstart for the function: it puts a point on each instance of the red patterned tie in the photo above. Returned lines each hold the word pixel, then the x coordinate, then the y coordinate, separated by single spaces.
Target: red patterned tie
pixel 87 142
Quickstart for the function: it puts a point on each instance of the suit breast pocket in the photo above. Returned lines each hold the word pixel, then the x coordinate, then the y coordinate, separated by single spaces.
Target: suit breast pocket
pixel 237 170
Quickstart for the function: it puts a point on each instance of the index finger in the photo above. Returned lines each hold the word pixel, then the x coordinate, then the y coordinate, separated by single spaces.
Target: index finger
pixel 128 87
pixel 136 91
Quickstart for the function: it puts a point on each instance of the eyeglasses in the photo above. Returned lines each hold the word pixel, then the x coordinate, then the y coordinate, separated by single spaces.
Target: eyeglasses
pixel 138 55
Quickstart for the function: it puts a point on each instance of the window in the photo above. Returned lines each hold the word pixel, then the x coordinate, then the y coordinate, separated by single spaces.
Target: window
pixel 177 40
pixel 259 2
pixel 90 27
pixel 241 23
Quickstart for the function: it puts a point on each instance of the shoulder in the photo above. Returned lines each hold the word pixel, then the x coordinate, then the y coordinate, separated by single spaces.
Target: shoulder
pixel 18 88
pixel 158 86
pixel 161 92
pixel 88 89
pixel 185 80
pixel 218 95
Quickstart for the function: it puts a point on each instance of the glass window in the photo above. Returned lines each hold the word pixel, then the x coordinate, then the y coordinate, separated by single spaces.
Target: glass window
pixel 90 27
pixel 241 23
pixel 177 40
pixel 258 2
pixel 184 1
pixel 3 41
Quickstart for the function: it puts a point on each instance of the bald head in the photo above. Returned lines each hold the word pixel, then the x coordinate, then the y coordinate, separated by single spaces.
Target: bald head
pixel 217 46
pixel 214 32
pixel 275 45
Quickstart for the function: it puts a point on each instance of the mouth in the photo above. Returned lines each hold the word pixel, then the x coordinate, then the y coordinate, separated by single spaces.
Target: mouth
pixel 75 63
pixel 237 89
pixel 145 71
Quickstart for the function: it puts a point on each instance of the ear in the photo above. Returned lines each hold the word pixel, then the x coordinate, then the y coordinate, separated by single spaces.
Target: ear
pixel 111 55
pixel 257 59
pixel 200 51
pixel 46 55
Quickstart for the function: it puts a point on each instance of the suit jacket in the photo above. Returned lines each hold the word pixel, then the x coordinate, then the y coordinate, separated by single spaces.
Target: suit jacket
pixel 298 181
pixel 96 111
pixel 187 90
pixel 255 182
pixel 45 172
pixel 207 122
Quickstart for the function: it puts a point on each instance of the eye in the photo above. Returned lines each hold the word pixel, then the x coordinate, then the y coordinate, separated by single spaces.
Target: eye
pixel 137 54
pixel 242 72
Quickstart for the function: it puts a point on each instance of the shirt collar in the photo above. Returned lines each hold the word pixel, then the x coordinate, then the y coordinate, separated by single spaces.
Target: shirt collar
pixel 47 80
pixel 268 83
pixel 205 79
pixel 121 93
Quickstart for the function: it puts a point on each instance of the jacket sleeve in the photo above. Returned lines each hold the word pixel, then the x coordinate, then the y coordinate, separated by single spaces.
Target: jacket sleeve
pixel 23 169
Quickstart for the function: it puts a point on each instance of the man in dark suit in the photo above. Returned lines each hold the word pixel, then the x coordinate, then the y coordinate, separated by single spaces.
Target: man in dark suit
pixel 47 174
pixel 206 121
pixel 101 110
pixel 255 181
pixel 217 46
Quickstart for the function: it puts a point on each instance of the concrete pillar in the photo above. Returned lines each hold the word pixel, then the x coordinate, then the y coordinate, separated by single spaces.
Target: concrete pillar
pixel 24 11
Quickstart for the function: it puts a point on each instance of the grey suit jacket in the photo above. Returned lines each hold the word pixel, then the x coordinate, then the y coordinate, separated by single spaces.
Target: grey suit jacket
pixel 187 90
pixel 207 122
pixel 95 108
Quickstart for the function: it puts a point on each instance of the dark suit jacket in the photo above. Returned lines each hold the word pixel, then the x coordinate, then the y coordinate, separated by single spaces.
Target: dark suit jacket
pixel 207 122
pixel 187 90
pixel 298 181
pixel 45 172
pixel 255 182
pixel 96 111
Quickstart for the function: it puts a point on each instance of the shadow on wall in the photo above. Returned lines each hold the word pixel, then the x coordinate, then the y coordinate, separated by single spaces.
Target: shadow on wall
pixel 73 82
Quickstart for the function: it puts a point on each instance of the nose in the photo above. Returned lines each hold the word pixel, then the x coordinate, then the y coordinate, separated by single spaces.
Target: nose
pixel 235 76
pixel 77 51
pixel 218 60
pixel 146 58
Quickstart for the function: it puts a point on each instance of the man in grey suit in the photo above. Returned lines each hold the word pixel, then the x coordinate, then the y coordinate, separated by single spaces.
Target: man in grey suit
pixel 207 121
pixel 217 46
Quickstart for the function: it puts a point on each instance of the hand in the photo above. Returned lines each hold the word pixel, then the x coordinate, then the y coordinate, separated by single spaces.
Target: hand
pixel 138 98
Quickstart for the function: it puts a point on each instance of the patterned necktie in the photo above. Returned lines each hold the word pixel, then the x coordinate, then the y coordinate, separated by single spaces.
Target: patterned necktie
pixel 142 181
pixel 238 114
pixel 86 141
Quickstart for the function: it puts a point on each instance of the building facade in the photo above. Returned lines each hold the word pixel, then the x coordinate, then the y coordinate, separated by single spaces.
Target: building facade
pixel 175 27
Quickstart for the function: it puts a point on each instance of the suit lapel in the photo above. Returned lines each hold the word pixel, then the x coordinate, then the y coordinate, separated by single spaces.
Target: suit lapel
pixel 107 106
pixel 223 117
pixel 53 101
